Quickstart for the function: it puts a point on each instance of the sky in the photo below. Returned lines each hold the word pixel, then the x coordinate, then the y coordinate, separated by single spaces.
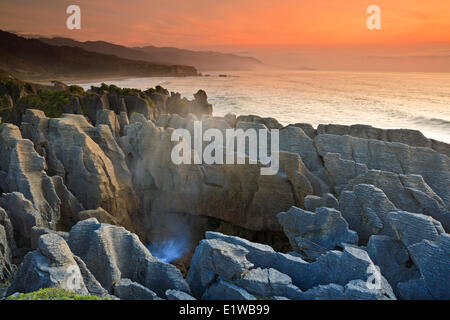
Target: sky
pixel 323 34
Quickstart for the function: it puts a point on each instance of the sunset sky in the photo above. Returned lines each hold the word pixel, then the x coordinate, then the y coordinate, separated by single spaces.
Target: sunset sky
pixel 289 32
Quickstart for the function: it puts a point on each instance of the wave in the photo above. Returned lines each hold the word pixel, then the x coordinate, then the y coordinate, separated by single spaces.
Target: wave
pixel 433 122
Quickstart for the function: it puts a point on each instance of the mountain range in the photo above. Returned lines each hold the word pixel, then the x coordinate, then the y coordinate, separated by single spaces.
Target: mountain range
pixel 34 59
pixel 201 60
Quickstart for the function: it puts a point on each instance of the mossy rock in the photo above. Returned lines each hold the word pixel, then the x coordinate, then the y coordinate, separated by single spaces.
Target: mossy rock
pixel 53 294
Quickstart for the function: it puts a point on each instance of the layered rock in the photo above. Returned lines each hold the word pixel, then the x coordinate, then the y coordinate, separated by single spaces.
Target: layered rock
pixel 366 210
pixel 26 173
pixel 51 265
pixel 392 157
pixel 315 233
pixel 235 193
pixel 258 269
pixel 406 192
pixel 410 137
pixel 89 160
pixel 6 244
pixel 112 253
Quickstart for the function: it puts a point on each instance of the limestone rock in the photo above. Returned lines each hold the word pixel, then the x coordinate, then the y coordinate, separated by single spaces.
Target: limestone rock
pixel 26 174
pixel 37 232
pixel 23 216
pixel 126 289
pixel 432 258
pixel 214 258
pixel 406 136
pixel 414 290
pixel 270 123
pixel 101 215
pixel 224 290
pixel 393 259
pixel 327 200
pixel 6 244
pixel 108 117
pixel 92 285
pixel 334 267
pixel 325 292
pixel 411 228
pixel 52 265
pixel 341 171
pixel 89 159
pixel 407 192
pixel 325 227
pixel 269 283
pixel 366 210
pixel 307 128
pixel 178 295
pixel 392 157
pixel 237 194
pixel 112 253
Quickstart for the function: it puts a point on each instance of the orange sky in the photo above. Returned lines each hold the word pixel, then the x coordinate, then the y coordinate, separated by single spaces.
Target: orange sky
pixel 237 24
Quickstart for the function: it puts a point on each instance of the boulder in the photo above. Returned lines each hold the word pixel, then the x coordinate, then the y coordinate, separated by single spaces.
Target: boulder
pixel 126 289
pixel 334 267
pixel 432 258
pixel 325 227
pixel 178 295
pixel 23 216
pixel 268 283
pixel 393 259
pixel 37 232
pixel 112 253
pixel 92 285
pixel 415 289
pixel 411 228
pixel 224 290
pixel 51 265
pixel 327 200
pixel 359 290
pixel 214 258
pixel 325 292
pixel 366 210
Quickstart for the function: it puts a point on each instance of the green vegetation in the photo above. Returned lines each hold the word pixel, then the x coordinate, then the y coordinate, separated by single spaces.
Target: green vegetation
pixel 51 102
pixel 115 89
pixel 53 294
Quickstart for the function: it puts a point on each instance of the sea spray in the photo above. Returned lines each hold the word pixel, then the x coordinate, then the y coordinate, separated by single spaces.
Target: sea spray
pixel 169 250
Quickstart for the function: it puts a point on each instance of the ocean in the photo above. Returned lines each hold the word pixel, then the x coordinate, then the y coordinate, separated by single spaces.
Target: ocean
pixel 381 99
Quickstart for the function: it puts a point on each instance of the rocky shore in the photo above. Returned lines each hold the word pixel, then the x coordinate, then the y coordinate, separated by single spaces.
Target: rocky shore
pixel 87 186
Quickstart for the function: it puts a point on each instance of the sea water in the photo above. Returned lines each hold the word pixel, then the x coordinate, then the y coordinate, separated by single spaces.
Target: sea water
pixel 381 99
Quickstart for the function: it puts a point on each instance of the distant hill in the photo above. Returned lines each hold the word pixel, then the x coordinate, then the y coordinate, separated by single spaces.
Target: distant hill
pixel 202 60
pixel 34 59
